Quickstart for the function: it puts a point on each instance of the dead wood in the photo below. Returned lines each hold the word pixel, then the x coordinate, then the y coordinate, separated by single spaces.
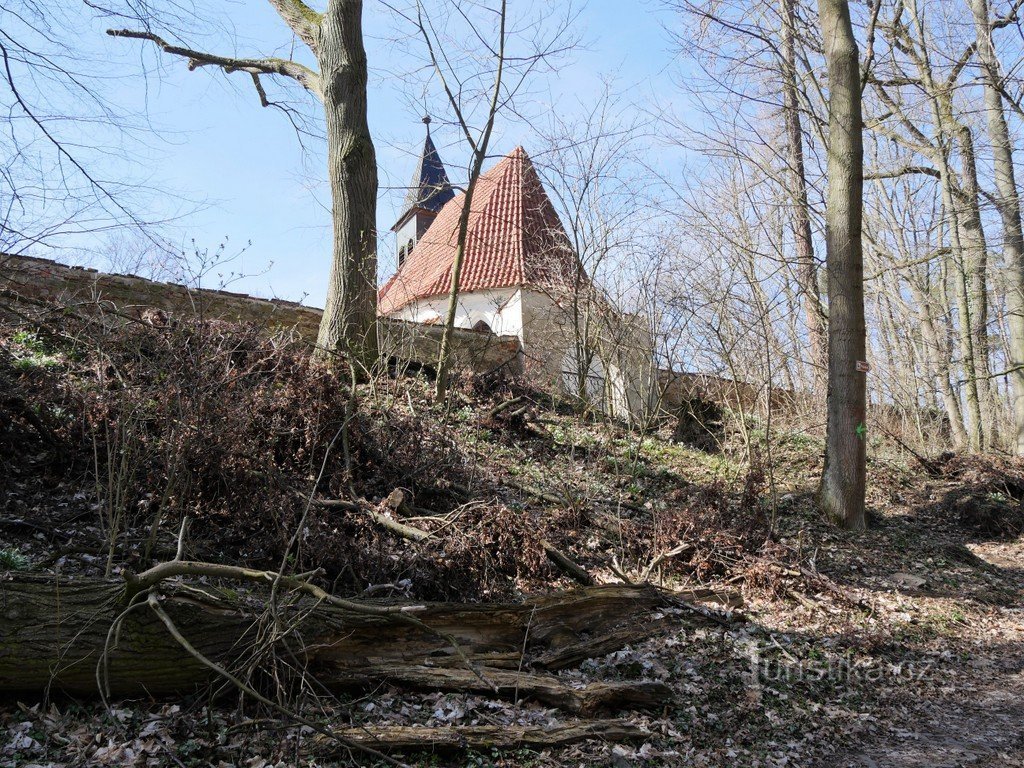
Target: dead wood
pixel 504 405
pixel 514 685
pixel 565 564
pixel 405 531
pixel 399 737
pixel 53 632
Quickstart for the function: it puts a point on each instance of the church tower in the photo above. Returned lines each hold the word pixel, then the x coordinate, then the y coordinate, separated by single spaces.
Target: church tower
pixel 428 191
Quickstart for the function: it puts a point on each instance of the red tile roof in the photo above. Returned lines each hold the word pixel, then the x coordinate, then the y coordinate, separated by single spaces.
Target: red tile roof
pixel 515 238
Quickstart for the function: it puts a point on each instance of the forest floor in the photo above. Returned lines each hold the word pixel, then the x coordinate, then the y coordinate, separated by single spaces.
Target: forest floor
pixel 899 647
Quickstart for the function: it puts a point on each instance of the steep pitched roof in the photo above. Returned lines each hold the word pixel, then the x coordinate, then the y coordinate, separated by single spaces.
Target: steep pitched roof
pixel 429 188
pixel 515 238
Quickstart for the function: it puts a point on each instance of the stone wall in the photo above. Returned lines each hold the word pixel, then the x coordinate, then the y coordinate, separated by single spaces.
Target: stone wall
pixel 25 278
pixel 678 387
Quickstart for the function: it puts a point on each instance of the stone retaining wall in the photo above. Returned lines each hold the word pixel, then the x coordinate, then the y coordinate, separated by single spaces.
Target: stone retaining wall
pixel 27 278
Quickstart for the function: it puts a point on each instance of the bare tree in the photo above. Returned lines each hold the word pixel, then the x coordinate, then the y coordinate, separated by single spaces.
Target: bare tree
pixel 335 38
pixel 807 269
pixel 843 480
pixel 59 136
pixel 1007 202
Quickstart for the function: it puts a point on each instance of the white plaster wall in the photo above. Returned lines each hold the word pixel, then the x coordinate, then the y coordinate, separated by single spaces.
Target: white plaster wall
pixel 500 308
pixel 622 368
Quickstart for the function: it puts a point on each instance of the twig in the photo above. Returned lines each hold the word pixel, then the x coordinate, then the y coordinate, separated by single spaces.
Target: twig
pixel 405 531
pixel 154 603
pixel 168 570
pixel 680 549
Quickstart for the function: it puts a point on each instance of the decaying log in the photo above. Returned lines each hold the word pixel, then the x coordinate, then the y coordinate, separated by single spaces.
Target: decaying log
pixel 512 684
pixel 566 565
pixel 399 737
pixel 53 632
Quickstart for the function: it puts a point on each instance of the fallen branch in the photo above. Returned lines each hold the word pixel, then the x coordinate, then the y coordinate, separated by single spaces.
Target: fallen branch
pixel 682 549
pixel 571 569
pixel 398 737
pixel 506 404
pixel 511 684
pixel 405 531
pixel 172 568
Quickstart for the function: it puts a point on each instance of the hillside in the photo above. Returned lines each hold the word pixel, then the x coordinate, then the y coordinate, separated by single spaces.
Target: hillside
pixel 809 646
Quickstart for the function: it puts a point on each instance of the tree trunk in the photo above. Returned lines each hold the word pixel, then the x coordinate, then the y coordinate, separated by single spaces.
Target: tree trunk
pixel 480 147
pixel 807 271
pixel 444 354
pixel 976 253
pixel 937 355
pixel 843 480
pixel 53 632
pixel 1008 203
pixel 349 322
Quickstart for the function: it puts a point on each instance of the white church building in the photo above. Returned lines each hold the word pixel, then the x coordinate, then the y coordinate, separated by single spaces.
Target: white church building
pixel 520 277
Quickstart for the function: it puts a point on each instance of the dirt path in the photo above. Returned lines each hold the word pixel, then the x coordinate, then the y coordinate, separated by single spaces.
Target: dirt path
pixel 977 719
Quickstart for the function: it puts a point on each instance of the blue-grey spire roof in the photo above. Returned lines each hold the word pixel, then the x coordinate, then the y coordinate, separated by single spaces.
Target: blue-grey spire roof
pixel 429 188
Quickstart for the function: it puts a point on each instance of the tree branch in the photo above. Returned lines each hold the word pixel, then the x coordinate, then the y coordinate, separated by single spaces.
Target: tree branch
pixel 167 570
pixel 305 76
pixel 303 20
pixel 906 170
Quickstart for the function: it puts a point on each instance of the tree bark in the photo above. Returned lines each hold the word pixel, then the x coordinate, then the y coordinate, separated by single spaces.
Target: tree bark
pixel 53 632
pixel 976 254
pixel 807 270
pixel 843 480
pixel 937 354
pixel 349 322
pixel 1008 204
pixel 401 737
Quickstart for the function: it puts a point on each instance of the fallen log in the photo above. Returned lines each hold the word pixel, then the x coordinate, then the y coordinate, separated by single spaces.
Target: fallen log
pixel 53 632
pixel 402 737
pixel 513 685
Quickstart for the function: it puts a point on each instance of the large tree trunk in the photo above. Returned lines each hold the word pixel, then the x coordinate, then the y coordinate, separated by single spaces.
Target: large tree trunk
pixel 1008 203
pixel 349 322
pixel 807 270
pixel 842 482
pixel 53 632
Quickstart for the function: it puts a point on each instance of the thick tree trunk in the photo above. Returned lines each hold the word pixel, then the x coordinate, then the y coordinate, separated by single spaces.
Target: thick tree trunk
pixel 53 632
pixel 1008 203
pixel 842 483
pixel 807 270
pixel 349 322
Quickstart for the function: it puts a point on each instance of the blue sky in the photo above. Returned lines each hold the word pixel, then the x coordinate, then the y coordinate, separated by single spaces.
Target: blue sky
pixel 241 167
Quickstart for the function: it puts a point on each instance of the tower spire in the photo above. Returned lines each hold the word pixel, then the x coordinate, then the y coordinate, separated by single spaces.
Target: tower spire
pixel 428 191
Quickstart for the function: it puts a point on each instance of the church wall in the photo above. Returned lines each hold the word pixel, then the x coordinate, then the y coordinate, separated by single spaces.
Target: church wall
pixel 499 308
pixel 622 364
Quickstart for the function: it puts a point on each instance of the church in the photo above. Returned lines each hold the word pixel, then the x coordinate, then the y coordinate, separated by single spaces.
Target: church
pixel 520 277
